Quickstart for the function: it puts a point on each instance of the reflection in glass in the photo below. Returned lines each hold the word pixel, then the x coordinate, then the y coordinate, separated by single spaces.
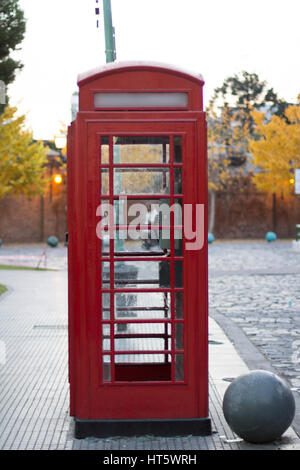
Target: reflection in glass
pixel 106 337
pixel 146 329
pixel 141 358
pixel 104 181
pixel 178 335
pixel 137 242
pixel 141 181
pixel 105 271
pixel 141 149
pixel 142 305
pixel 142 274
pixel 178 307
pixel 178 265
pixel 104 150
pixel 106 306
pixel 178 180
pixel 177 149
pixel 105 241
pixel 155 338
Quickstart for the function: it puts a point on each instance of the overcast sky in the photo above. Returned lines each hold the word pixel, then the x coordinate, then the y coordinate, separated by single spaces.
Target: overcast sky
pixel 216 38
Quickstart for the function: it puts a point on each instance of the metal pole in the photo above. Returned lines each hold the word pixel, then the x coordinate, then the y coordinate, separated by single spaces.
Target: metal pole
pixel 110 49
pixel 110 57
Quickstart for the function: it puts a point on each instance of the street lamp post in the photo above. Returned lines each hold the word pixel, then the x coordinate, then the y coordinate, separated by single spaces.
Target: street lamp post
pixel 110 51
pixel 110 46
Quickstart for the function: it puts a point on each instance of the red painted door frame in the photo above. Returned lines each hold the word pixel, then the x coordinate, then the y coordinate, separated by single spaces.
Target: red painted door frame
pixel 154 399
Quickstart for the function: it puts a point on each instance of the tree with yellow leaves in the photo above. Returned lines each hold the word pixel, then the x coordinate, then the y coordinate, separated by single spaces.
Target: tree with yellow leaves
pixel 228 134
pixel 21 159
pixel 277 152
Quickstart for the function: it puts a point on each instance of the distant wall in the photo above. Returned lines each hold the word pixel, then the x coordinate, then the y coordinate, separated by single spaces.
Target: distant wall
pixel 25 220
pixel 240 213
pixel 249 214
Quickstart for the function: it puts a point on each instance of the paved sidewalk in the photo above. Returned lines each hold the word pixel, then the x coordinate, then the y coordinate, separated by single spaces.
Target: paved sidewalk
pixel 34 395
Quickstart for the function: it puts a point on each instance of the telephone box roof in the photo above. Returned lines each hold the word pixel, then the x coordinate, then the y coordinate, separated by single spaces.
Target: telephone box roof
pixel 116 67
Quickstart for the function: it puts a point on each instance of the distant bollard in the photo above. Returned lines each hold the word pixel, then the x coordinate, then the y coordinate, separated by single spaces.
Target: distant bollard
pixel 210 238
pixel 258 406
pixel 271 237
pixel 52 241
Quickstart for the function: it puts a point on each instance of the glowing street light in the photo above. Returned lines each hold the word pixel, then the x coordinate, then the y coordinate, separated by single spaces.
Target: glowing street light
pixel 58 179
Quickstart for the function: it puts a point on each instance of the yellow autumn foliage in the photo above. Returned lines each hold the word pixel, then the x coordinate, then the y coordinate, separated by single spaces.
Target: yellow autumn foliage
pixel 228 134
pixel 277 151
pixel 21 159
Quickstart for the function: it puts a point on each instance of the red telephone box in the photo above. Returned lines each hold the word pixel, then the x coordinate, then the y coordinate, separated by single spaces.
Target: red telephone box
pixel 138 297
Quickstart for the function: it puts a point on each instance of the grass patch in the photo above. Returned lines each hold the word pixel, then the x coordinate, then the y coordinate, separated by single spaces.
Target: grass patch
pixel 24 268
pixel 2 289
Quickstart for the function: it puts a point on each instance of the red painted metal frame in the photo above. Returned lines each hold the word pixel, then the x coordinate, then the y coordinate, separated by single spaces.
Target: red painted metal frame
pixel 90 398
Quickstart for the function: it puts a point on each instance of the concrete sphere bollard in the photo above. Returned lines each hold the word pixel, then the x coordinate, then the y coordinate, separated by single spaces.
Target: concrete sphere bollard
pixel 258 406
pixel 52 241
pixel 271 236
pixel 210 238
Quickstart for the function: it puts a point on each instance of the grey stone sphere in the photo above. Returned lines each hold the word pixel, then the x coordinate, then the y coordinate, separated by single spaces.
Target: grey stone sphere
pixel 258 406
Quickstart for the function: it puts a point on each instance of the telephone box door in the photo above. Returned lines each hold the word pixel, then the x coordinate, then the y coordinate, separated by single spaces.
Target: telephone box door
pixel 146 317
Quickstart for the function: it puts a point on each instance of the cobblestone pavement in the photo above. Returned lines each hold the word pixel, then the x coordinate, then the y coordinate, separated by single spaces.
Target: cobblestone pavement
pixel 257 285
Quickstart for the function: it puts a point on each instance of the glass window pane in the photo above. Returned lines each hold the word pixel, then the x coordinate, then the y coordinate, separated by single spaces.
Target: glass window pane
pixel 106 337
pixel 142 358
pixel 105 245
pixel 178 266
pixel 142 274
pixel 147 243
pixel 164 274
pixel 145 344
pixel 142 305
pixel 136 211
pixel 104 181
pixel 178 245
pixel 106 368
pixel 104 214
pixel 105 271
pixel 178 211
pixel 177 149
pixel 141 181
pixel 178 307
pixel 104 150
pixel 143 337
pixel 146 329
pixel 178 335
pixel 106 306
pixel 141 150
pixel 177 180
